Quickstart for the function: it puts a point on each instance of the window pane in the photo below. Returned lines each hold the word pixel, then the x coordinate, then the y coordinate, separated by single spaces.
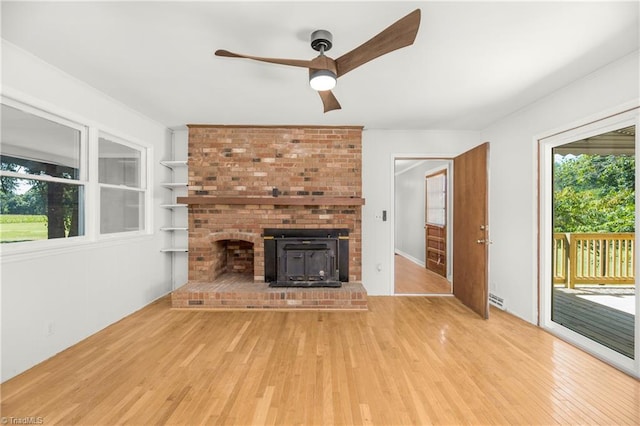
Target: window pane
pixel 593 251
pixel 121 210
pixel 436 199
pixel 34 145
pixel 38 210
pixel 119 164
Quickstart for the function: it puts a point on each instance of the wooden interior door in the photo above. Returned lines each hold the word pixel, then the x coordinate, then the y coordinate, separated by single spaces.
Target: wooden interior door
pixel 435 229
pixel 436 248
pixel 471 229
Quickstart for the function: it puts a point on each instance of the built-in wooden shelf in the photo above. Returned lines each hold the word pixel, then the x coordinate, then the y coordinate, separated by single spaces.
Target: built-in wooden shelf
pixel 274 201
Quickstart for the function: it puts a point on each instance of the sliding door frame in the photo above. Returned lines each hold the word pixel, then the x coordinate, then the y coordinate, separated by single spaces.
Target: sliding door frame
pixel 623 116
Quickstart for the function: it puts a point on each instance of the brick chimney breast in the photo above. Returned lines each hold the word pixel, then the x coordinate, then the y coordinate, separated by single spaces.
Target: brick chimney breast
pixel 253 161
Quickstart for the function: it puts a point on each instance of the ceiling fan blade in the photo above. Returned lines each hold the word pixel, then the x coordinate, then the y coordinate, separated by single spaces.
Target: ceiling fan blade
pixel 329 100
pixel 400 34
pixel 292 62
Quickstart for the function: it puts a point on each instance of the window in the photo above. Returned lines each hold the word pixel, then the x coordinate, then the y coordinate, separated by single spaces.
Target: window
pixel 593 212
pixel 61 179
pixel 42 177
pixel 588 217
pixel 437 198
pixel 122 186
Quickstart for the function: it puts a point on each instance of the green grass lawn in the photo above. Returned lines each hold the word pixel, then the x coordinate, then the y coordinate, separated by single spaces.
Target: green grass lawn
pixel 14 228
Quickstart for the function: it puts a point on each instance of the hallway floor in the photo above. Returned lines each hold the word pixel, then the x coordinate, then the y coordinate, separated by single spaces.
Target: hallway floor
pixel 411 278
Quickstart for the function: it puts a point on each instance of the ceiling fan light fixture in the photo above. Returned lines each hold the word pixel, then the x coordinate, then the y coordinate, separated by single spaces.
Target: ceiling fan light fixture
pixel 323 70
pixel 322 80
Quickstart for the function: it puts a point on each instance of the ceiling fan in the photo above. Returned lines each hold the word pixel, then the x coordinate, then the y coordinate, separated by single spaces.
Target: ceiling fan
pixel 323 70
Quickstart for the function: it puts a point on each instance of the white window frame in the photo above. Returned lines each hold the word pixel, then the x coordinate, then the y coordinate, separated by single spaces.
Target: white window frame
pixel 90 133
pixel 144 186
pixel 605 122
pixel 82 181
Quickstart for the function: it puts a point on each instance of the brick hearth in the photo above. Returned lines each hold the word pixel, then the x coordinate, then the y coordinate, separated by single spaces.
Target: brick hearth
pixel 237 291
pixel 233 170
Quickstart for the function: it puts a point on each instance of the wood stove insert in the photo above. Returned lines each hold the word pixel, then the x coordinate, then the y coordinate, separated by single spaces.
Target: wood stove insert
pixel 306 257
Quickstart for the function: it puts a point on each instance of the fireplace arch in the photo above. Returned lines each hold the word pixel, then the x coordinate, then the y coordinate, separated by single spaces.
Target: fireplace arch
pixel 227 252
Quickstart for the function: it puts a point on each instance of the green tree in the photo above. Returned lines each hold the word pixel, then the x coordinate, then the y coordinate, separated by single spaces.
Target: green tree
pixel 594 193
pixel 58 201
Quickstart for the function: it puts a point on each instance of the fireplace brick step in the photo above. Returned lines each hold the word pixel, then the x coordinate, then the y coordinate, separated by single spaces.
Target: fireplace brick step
pixel 239 291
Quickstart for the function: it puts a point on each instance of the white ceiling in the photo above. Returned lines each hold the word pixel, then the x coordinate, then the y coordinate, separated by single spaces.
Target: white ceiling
pixel 472 62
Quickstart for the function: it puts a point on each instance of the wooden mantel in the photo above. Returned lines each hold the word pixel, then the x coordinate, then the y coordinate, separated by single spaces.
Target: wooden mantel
pixel 274 201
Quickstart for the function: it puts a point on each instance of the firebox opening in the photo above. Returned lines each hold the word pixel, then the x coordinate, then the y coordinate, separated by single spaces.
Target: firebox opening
pixel 233 256
pixel 306 257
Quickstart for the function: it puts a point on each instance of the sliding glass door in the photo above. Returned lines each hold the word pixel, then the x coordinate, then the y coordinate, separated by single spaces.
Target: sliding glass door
pixel 588 249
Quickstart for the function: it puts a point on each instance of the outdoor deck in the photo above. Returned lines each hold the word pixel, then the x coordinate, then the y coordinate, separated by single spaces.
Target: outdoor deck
pixel 611 327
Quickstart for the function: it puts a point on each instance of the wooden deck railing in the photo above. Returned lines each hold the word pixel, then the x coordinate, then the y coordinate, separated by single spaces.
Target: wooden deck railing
pixel 593 258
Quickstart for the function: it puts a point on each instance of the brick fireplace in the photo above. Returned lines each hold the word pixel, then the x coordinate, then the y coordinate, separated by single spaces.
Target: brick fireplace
pixel 245 179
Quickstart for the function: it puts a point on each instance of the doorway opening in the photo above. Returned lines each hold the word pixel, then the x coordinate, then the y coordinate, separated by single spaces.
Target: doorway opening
pixel 593 290
pixel 422 249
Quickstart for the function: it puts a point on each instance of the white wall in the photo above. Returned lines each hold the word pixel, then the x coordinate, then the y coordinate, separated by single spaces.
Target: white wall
pixel 379 149
pixel 76 291
pixel 513 177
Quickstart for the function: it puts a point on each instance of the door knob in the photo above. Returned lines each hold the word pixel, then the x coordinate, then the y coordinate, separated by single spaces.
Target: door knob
pixel 484 242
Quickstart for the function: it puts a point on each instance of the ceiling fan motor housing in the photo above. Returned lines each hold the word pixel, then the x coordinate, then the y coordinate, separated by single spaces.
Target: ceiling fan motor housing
pixel 321 40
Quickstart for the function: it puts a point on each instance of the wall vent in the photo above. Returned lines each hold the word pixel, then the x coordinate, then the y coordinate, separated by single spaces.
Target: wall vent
pixel 496 301
pixel 196 302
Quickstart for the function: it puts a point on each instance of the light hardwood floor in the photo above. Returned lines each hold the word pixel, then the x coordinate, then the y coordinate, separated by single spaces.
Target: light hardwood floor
pixel 411 278
pixel 407 361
